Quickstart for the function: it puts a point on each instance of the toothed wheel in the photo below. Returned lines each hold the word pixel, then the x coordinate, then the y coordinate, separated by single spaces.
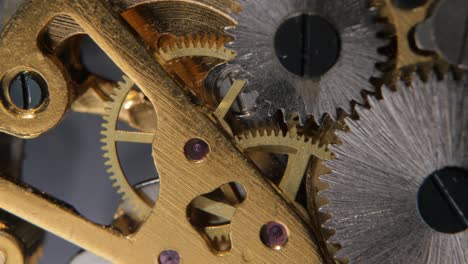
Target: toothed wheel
pixel 312 57
pixel 411 140
pixel 198 45
pixel 298 148
pixel 112 135
pixel 189 59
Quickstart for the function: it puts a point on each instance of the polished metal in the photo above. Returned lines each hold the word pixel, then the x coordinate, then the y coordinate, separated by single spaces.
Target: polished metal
pixel 277 87
pixel 384 159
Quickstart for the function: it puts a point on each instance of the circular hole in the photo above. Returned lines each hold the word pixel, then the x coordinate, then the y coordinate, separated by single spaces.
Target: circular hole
pixel 307 45
pixel 27 90
pixel 442 200
pixel 409 4
pixel 274 235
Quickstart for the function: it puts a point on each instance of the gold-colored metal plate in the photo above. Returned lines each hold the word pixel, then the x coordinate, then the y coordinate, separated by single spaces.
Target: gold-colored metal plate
pixel 167 226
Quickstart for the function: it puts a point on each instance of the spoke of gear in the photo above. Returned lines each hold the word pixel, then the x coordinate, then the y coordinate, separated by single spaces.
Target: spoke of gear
pixel 388 154
pixel 111 135
pixel 299 149
pixel 279 88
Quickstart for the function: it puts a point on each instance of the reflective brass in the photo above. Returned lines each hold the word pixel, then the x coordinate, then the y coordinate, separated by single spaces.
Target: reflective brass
pixel 167 226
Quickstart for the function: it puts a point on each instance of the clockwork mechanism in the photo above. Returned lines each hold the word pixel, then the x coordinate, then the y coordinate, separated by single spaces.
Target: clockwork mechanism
pixel 292 131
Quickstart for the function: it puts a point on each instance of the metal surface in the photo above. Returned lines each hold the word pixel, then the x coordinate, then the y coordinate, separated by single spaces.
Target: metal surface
pixel 181 180
pixel 280 89
pixel 111 135
pixel 383 161
pixel 405 58
pixel 299 148
pixel 446 32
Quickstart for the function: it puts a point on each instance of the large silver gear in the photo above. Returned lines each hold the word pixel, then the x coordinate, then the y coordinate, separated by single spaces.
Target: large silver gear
pixel 277 87
pixel 388 153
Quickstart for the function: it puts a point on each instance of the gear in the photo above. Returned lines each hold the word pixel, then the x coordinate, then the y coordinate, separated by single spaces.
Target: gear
pixel 189 59
pixel 198 45
pixel 141 207
pixel 406 58
pixel 385 160
pixel 299 149
pixel 295 80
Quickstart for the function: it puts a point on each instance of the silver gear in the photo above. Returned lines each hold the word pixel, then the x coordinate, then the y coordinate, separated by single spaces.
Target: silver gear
pixel 388 153
pixel 280 89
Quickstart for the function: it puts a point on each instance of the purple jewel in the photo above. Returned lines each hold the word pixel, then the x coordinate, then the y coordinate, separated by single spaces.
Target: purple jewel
pixel 196 149
pixel 169 257
pixel 274 235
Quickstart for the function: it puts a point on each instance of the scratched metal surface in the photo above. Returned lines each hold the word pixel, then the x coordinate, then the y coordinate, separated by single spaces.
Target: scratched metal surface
pixel 280 89
pixel 384 159
pixel 67 161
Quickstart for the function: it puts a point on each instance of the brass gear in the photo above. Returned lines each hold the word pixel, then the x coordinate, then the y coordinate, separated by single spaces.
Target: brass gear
pixel 406 60
pixel 305 153
pixel 298 147
pixel 189 60
pixel 111 135
pixel 198 45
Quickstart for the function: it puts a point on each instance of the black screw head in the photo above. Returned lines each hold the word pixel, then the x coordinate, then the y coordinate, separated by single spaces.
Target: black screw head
pixel 274 235
pixel 196 150
pixel 27 91
pixel 442 200
pixel 307 45
pixel 169 257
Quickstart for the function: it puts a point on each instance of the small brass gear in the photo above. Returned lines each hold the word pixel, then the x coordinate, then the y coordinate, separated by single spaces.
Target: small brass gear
pixel 198 45
pixel 189 60
pixel 298 147
pixel 305 152
pixel 111 135
pixel 405 58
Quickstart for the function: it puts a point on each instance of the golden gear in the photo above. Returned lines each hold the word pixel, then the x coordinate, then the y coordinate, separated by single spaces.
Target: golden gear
pixel 189 59
pixel 167 224
pixel 299 149
pixel 304 160
pixel 406 60
pixel 199 45
pixel 141 207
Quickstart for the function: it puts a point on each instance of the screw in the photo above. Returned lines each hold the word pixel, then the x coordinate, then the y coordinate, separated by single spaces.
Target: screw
pixel 169 257
pixel 196 149
pixel 442 200
pixel 27 90
pixel 274 235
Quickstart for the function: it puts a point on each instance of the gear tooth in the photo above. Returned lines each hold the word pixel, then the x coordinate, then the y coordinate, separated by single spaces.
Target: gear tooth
pixel 253 133
pixel 263 132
